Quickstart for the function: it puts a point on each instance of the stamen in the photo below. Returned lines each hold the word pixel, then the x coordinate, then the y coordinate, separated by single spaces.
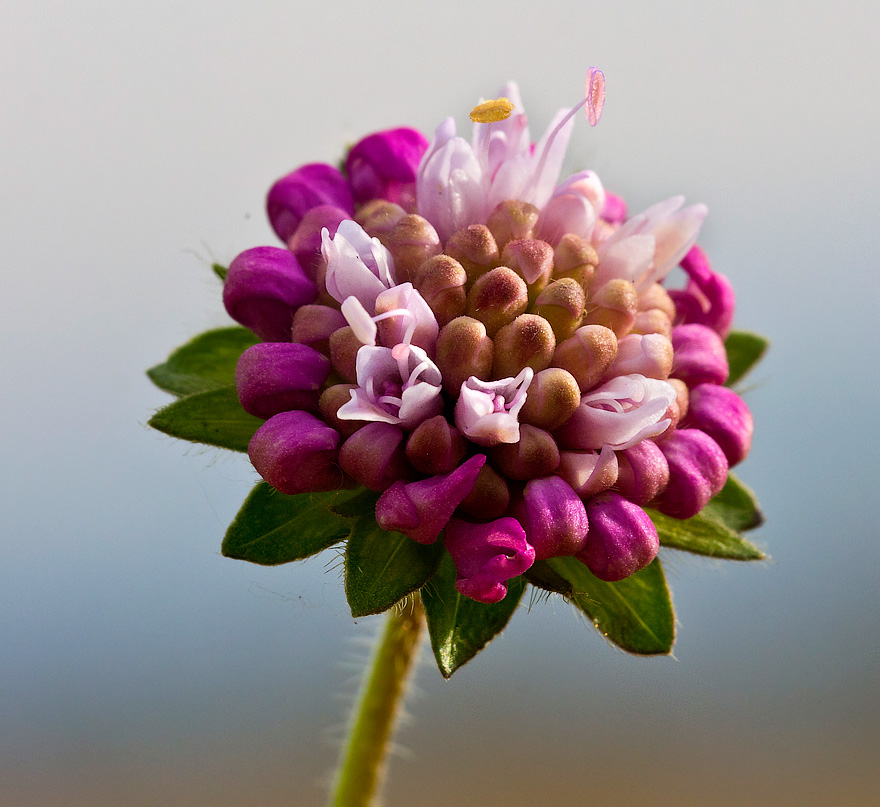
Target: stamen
pixel 417 371
pixel 391 400
pixel 492 110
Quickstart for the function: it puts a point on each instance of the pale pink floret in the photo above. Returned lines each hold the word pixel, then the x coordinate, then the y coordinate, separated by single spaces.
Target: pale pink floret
pixel 588 472
pixel 399 386
pixel 357 265
pixel 487 411
pixel 619 414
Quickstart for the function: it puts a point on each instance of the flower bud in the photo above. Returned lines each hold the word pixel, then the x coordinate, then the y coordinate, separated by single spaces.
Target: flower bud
pixel 650 355
pixel 497 298
pixel 296 453
pixel 588 472
pixel 562 305
pixel 411 242
pixel 305 243
pixel 512 220
pixel 313 325
pixel 384 164
pixel 708 299
pixel 643 472
pixel 587 354
pixel 263 288
pixel 700 357
pixel 697 471
pixel 552 398
pixel 463 350
pixel 682 395
pixel 566 213
pixel 652 321
pixel 374 456
pixel 330 401
pixel 532 260
pixel 535 454
pixel 490 497
pixel 622 538
pixel 441 282
pixel 486 411
pixel 378 217
pixel 435 447
pixel 292 196
pixel 344 347
pixel 395 329
pixel 724 416
pixel 528 341
pixel 486 556
pixel 475 249
pixel 274 377
pixel 420 510
pixel 655 296
pixel 614 210
pixel 613 305
pixel 553 517
pixel 576 258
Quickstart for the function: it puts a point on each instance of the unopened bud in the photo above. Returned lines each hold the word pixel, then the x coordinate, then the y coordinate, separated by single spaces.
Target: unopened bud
pixel 534 455
pixel 613 305
pixel 475 249
pixel 724 416
pixel 497 298
pixel 649 355
pixel 374 457
pixel 576 258
pixel 697 471
pixel 528 341
pixel 344 346
pixel 411 242
pixel 490 497
pixel 655 296
pixel 463 349
pixel 587 354
pixel 588 472
pixel 330 401
pixel 552 398
pixel 562 305
pixel 700 356
pixel 305 243
pixel 643 472
pixel 441 282
pixel 313 325
pixel 554 518
pixel 378 217
pixel 532 260
pixel 652 321
pixel 512 220
pixel 682 395
pixel 435 446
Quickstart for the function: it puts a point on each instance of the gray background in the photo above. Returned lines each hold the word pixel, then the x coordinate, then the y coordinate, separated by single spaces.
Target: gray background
pixel 139 667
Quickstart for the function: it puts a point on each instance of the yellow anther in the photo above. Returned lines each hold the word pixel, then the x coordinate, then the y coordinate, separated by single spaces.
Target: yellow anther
pixel 492 111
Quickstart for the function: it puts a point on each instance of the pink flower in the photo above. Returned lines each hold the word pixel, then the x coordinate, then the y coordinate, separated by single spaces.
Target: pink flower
pixel 357 265
pixel 486 411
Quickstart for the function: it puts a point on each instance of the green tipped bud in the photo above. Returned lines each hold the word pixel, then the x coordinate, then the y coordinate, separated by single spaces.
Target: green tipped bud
pixel 613 305
pixel 587 354
pixel 498 297
pixel 575 257
pixel 441 282
pixel 682 395
pixel 330 401
pixel 490 497
pixel 475 249
pixel 552 398
pixel 655 296
pixel 344 346
pixel 528 341
pixel 532 260
pixel 512 220
pixel 652 321
pixel 411 242
pixel 463 349
pixel 562 305
pixel 378 217
pixel 535 454
pixel 435 447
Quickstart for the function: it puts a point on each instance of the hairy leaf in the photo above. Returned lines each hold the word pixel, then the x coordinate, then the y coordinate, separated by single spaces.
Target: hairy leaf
pixel 703 535
pixel 736 506
pixel 744 351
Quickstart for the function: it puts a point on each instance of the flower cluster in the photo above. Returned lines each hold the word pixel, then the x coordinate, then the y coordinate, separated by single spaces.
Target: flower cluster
pixel 489 347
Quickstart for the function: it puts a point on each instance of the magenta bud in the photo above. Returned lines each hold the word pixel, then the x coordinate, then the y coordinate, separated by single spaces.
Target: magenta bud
pixel 313 325
pixel 622 538
pixel 435 446
pixel 296 453
pixel 384 164
pixel 305 243
pixel 374 456
pixel 292 196
pixel 274 377
pixel 486 556
pixel 724 416
pixel 643 472
pixel 697 471
pixel 700 357
pixel 553 517
pixel 614 211
pixel 263 288
pixel 420 510
pixel 708 298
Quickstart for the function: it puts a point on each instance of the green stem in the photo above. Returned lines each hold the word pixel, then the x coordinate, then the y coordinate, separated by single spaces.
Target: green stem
pixel 362 763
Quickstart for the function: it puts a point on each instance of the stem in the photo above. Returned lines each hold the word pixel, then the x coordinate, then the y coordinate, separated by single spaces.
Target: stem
pixel 362 763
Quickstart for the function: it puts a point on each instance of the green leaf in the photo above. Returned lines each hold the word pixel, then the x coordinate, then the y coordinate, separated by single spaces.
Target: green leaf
pixel 220 270
pixel 460 627
pixel 736 506
pixel 205 363
pixel 635 613
pixel 744 351
pixel 273 528
pixel 541 575
pixel 214 417
pixel 703 535
pixel 382 567
pixel 359 505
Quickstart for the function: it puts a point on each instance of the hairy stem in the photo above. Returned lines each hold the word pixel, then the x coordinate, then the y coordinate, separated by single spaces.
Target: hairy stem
pixel 362 763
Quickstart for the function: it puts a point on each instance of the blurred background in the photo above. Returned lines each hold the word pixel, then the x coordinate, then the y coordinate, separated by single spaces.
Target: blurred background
pixel 138 667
